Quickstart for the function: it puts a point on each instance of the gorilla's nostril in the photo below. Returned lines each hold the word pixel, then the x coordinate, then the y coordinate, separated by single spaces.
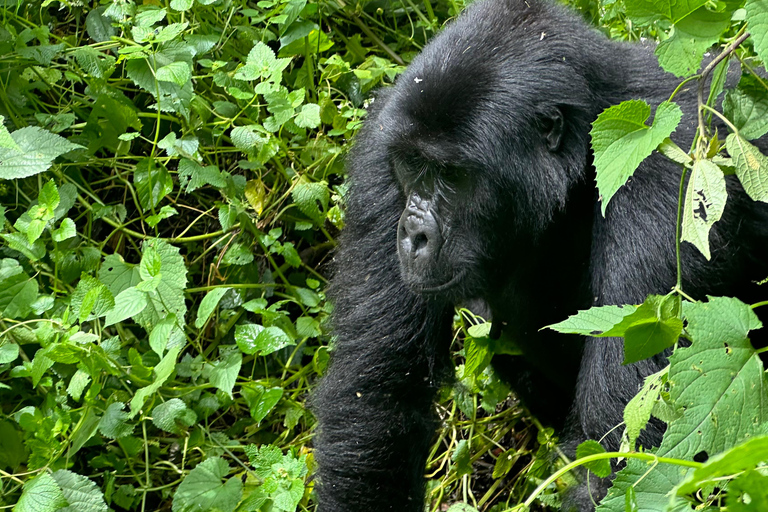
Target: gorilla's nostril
pixel 420 242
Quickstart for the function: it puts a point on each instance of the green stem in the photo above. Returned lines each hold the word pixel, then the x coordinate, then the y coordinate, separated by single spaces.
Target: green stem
pixel 678 225
pixel 600 456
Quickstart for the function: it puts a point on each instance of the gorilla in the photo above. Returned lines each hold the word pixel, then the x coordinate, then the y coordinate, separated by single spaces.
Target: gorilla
pixel 472 181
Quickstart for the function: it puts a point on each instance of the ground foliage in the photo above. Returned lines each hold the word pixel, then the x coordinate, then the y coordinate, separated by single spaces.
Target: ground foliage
pixel 172 188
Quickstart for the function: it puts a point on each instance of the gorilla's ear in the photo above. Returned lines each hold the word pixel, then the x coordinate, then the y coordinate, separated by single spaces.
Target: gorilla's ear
pixel 551 122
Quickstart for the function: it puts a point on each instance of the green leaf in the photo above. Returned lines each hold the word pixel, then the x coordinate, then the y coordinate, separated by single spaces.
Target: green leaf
pixel 757 24
pixel 17 293
pixel 748 493
pixel 65 231
pixel 462 457
pixel 312 199
pixel 82 494
pixel 621 141
pixel 176 72
pixel 308 116
pixel 478 355
pixel 740 458
pixel 118 275
pixel 168 296
pixel 128 303
pixel 224 372
pixel 48 197
pixel 153 182
pixel 91 299
pixel 168 415
pixel 8 352
pixel 704 204
pixel 195 175
pixel 602 467
pixel 705 378
pixel 203 489
pixel 751 167
pixel 99 27
pixel 166 334
pixel 164 213
pixel 638 411
pixel 691 36
pixel 593 321
pixel 41 494
pixel 163 370
pixel 747 107
pixel 113 424
pixel 181 5
pixel 35 151
pixel 254 338
pixel 260 400
pixel 261 63
pixel 208 305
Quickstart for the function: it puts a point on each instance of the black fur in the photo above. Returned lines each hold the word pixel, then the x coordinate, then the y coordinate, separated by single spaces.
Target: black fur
pixel 523 234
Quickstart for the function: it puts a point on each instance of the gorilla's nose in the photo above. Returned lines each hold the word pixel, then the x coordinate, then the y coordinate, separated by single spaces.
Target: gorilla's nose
pixel 419 236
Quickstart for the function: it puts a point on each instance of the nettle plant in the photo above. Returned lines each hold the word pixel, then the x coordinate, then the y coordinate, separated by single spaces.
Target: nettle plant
pixel 712 395
pixel 170 184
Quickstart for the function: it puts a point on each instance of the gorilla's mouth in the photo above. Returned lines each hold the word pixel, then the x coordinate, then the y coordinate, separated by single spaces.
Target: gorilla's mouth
pixel 433 289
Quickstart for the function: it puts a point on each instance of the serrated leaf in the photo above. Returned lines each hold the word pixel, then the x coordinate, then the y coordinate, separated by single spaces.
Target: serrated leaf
pixel 638 411
pixel 704 204
pixel 153 182
pixel 757 24
pixel 740 458
pixel 163 370
pixel 312 199
pixel 8 352
pixel 91 299
pixel 751 167
pixel 176 72
pixel 99 27
pixel 194 175
pixel 719 384
pixel 747 107
pixel 65 231
pixel 128 303
pixel 41 494
pixel 308 116
pixel 113 424
pixel 224 371
pixel 593 321
pixel 261 400
pixel 166 415
pixel 168 296
pixel 254 338
pixel 208 305
pixel 621 141
pixel 82 494
pixel 37 149
pixel 602 467
pixel 181 5
pixel 203 489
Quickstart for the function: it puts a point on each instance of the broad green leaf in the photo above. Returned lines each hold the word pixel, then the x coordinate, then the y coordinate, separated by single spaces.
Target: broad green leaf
pixel 194 175
pixel 638 411
pixel 257 339
pixel 48 197
pixel 113 424
pixel 8 352
pixel 41 494
pixel 19 242
pixel 181 5
pixel 719 384
pixel 260 400
pixel 593 321
pixel 168 415
pixel 148 17
pixel 82 494
pixel 91 299
pixel 757 24
pixel 312 199
pixel 163 370
pixel 751 167
pixel 176 72
pixel 166 334
pixel 308 116
pixel 128 303
pixel 477 352
pixel 261 63
pixel 165 212
pixel 704 204
pixel 747 107
pixel 224 371
pixel 99 27
pixel 65 231
pixel 203 489
pixel 691 36
pixel 462 457
pixel 168 296
pixel 35 151
pixel 118 275
pixel 77 384
pixel 17 293
pixel 152 181
pixel 602 467
pixel 208 305
pixel 621 141
pixel 740 458
pixel 748 493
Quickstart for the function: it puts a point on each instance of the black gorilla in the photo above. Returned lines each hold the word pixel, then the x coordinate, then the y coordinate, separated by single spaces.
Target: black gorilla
pixel 472 181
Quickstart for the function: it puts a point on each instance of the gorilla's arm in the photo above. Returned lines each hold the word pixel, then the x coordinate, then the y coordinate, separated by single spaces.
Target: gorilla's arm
pixel 374 407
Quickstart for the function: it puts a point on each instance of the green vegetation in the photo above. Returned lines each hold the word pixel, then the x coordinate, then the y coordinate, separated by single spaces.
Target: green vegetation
pixel 172 187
